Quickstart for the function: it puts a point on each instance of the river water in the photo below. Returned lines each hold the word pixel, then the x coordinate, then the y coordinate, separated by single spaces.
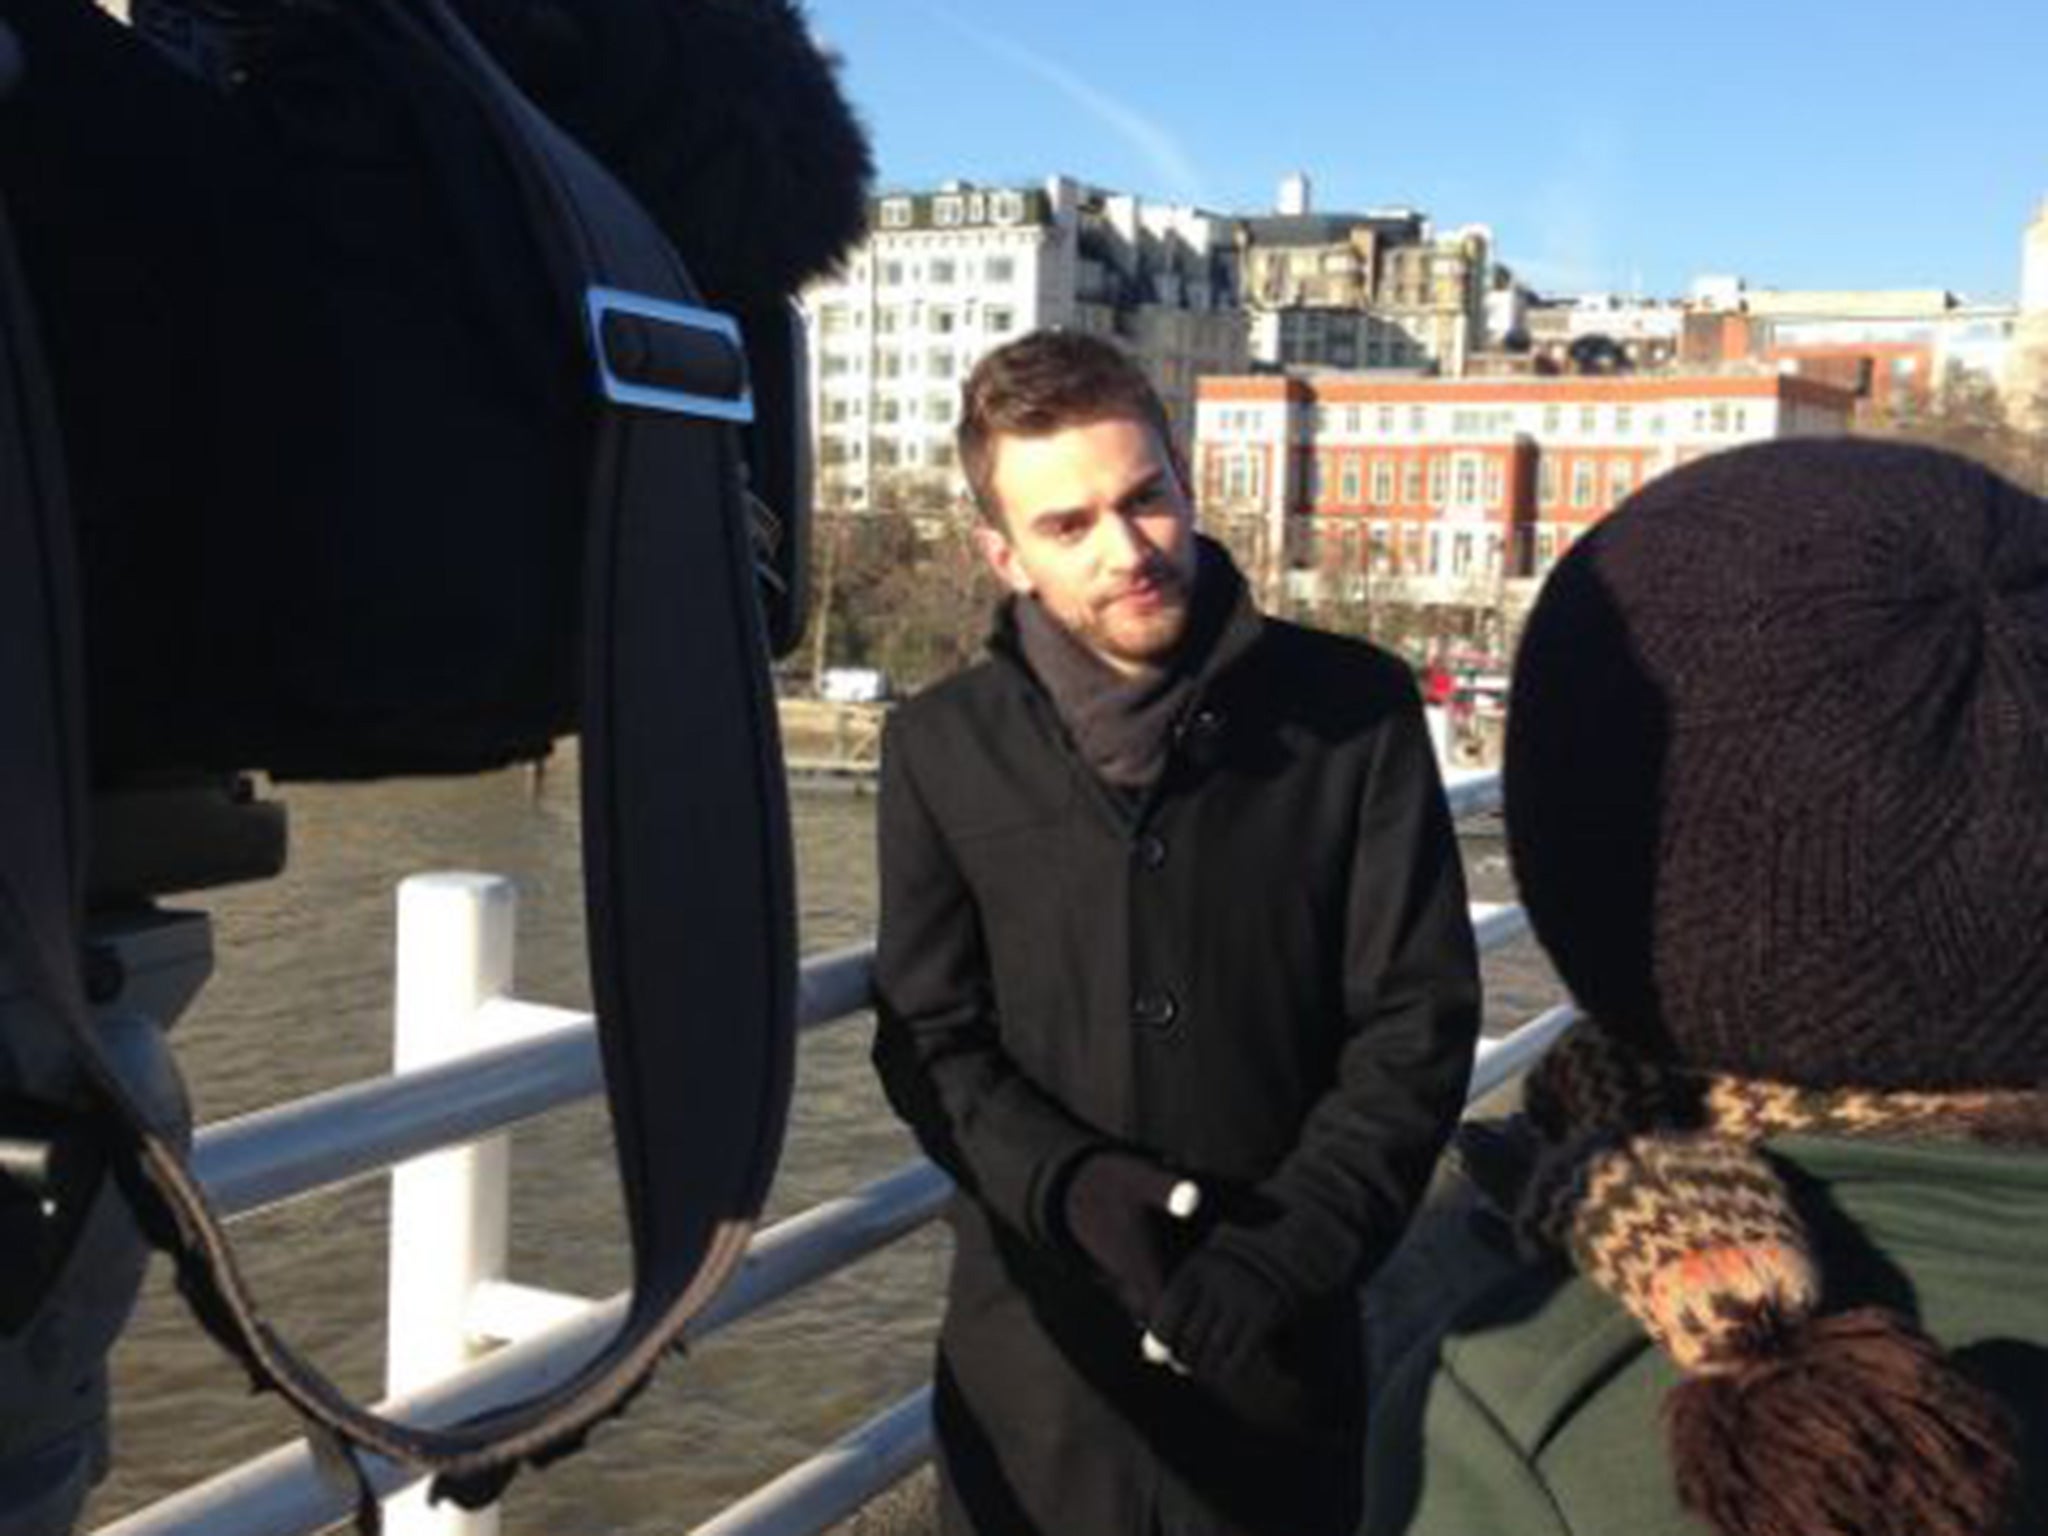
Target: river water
pixel 301 1001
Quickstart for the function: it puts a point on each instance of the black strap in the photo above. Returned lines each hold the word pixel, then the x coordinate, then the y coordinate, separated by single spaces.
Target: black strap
pixel 686 844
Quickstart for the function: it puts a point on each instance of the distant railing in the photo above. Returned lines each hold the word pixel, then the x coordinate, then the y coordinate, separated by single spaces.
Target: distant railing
pixel 461 1337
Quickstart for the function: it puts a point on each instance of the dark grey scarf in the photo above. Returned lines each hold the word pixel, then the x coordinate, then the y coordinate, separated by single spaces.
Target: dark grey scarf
pixel 1122 726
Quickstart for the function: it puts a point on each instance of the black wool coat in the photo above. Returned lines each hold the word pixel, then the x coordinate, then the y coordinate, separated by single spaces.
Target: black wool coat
pixel 1263 974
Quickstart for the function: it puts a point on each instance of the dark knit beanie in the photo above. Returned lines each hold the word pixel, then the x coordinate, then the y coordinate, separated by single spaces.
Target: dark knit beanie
pixel 1777 769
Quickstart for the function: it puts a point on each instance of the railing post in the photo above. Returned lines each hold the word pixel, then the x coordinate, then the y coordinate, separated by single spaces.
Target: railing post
pixel 448 1209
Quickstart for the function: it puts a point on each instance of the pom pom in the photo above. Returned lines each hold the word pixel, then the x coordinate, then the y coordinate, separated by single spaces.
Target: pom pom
pixel 1855 1424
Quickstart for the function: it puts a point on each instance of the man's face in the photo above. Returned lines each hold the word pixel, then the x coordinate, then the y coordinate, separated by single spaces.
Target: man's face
pixel 1096 524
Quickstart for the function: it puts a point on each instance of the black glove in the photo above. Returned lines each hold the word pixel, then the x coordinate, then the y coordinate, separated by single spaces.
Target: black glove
pixel 1218 1313
pixel 1114 1211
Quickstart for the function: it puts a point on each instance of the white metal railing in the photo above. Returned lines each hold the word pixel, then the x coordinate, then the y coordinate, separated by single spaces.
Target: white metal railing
pixel 470 1062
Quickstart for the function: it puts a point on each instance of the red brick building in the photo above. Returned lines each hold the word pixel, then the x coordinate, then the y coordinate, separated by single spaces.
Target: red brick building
pixel 1457 491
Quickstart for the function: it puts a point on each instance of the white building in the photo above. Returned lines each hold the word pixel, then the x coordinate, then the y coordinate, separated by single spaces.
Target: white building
pixel 2027 367
pixel 947 274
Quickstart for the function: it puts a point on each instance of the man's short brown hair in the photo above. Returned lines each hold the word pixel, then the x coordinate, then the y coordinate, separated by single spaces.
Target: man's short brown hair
pixel 1044 383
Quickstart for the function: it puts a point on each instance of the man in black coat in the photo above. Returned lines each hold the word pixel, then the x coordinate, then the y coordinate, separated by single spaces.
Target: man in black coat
pixel 1172 916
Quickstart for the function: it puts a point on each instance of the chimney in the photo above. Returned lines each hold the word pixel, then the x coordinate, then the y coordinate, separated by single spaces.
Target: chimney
pixel 1294 194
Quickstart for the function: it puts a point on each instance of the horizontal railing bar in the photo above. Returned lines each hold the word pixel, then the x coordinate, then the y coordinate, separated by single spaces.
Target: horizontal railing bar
pixel 1496 925
pixel 280 1153
pixel 277 1154
pixel 282 1493
pixel 274 1155
pixel 835 985
pixel 1514 1053
pixel 1472 792
pixel 835 1483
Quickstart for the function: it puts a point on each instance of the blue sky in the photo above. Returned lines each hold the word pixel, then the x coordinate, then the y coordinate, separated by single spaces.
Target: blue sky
pixel 1799 143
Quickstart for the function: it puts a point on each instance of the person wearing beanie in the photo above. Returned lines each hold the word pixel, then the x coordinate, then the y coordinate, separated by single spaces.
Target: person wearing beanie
pixel 1777 804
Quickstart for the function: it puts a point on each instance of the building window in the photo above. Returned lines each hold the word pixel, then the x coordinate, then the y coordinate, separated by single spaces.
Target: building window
pixel 1411 482
pixel 939 363
pixel 1006 207
pixel 1546 482
pixel 940 270
pixel 1461 554
pixel 938 408
pixel 941 320
pixel 887 320
pixel 1546 549
pixel 1621 479
pixel 1350 487
pixel 1000 269
pixel 1718 418
pixel 1589 420
pixel 1386 421
pixel 1493 483
pixel 1382 482
pixel 834 320
pixel 939 454
pixel 977 208
pixel 1467 480
pixel 888 363
pixel 1623 420
pixel 946 211
pixel 888 408
pixel 1416 419
pixel 1583 487
pixel 1553 420
pixel 998 320
pixel 896 213
pixel 1241 478
pixel 1439 479
pixel 890 273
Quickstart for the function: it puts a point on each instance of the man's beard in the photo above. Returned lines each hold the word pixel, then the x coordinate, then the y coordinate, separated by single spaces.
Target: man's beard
pixel 1143 622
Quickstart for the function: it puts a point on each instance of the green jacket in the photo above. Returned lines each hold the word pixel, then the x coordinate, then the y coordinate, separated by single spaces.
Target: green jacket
pixel 1537 1412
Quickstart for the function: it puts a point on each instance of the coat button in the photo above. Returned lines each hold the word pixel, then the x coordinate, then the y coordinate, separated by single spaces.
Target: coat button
pixel 1201 736
pixel 1154 1009
pixel 1150 850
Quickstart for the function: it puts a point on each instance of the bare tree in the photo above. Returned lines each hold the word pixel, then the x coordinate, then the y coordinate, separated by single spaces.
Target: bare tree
pixel 1969 416
pixel 900 588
